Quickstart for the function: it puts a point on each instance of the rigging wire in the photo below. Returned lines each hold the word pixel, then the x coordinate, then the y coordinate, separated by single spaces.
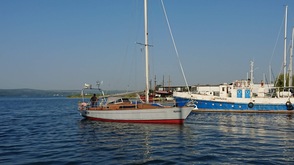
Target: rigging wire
pixel 276 43
pixel 174 43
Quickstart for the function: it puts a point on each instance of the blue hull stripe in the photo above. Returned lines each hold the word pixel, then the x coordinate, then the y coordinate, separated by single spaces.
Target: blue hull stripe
pixel 214 105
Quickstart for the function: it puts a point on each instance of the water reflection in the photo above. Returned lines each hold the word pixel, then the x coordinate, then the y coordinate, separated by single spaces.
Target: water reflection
pixel 132 142
pixel 252 124
pixel 257 134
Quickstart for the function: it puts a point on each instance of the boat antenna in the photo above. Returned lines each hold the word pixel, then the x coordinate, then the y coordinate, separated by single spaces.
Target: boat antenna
pixel 174 43
pixel 98 83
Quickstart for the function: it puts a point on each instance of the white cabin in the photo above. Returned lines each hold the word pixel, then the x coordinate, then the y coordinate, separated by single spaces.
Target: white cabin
pixel 237 89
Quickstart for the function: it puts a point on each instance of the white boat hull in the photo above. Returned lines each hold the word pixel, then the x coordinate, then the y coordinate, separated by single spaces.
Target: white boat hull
pixel 173 115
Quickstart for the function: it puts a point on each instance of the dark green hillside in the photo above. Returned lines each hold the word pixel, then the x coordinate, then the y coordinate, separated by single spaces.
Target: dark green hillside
pixel 50 93
pixel 36 93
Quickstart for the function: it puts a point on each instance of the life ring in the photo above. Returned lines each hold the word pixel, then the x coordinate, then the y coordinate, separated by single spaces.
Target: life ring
pixel 250 105
pixel 289 105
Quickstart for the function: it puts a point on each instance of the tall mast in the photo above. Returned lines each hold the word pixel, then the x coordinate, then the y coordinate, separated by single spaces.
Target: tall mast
pixel 154 83
pixel 285 46
pixel 270 74
pixel 163 81
pixel 146 53
pixel 169 83
pixel 291 60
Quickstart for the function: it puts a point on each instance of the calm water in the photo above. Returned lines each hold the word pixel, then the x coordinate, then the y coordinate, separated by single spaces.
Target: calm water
pixel 50 131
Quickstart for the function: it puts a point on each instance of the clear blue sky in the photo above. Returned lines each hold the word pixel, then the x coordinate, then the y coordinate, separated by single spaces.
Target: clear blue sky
pixel 62 44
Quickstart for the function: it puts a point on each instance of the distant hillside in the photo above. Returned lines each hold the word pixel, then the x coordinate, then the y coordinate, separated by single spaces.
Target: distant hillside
pixel 48 93
pixel 36 93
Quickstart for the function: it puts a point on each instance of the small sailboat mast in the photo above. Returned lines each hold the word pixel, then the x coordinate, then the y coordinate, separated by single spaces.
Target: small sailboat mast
pixel 146 53
pixel 285 47
pixel 291 60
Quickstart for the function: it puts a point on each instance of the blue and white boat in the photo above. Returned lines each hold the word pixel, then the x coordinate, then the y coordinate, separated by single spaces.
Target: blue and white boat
pixel 244 95
pixel 240 95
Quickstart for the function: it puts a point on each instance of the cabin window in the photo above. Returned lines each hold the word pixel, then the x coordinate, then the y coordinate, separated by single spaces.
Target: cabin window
pixel 125 100
pixel 118 101
pixel 223 89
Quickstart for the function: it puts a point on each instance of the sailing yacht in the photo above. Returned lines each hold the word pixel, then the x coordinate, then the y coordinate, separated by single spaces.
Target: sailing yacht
pixel 122 109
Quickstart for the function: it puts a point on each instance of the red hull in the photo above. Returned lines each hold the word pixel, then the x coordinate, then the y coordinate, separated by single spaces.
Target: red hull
pixel 172 121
